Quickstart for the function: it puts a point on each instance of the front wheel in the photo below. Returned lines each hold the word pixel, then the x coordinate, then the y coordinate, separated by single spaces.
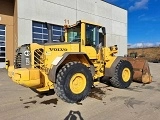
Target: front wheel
pixel 73 83
pixel 123 75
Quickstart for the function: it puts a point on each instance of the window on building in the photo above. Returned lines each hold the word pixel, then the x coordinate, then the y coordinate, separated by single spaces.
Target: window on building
pixel 57 32
pixel 41 32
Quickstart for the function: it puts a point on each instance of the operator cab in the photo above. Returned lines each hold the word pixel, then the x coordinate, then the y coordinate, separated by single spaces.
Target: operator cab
pixel 87 34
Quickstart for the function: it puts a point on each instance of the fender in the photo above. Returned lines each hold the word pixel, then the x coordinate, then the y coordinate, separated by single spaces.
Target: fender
pixel 57 64
pixel 110 71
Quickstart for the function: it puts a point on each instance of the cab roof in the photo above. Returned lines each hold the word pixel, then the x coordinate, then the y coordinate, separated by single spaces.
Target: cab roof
pixel 82 21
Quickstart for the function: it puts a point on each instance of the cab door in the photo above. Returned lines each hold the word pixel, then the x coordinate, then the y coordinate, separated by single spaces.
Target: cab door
pixel 91 40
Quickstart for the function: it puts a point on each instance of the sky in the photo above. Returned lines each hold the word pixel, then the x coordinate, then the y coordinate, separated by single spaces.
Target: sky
pixel 143 21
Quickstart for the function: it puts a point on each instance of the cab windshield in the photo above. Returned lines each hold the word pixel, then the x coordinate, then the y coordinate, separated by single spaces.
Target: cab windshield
pixel 74 34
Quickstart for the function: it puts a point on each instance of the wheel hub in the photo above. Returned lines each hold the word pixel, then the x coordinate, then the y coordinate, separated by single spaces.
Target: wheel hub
pixel 126 74
pixel 78 83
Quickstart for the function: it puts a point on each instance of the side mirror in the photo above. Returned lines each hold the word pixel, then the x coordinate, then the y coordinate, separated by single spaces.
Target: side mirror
pixel 62 39
pixel 104 30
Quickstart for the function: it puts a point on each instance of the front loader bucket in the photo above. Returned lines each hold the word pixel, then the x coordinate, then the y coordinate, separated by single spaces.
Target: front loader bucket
pixel 141 70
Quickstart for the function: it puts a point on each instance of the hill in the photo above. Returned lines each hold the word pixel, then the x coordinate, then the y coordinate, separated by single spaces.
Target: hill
pixel 152 54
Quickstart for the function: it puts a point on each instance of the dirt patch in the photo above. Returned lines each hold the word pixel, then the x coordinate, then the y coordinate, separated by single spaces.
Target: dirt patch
pixel 79 103
pixel 134 89
pixel 26 106
pixel 33 102
pixel 30 97
pixel 148 87
pixel 40 96
pixel 156 106
pixel 104 103
pixel 51 101
pixel 114 99
pixel 97 93
pixel 131 102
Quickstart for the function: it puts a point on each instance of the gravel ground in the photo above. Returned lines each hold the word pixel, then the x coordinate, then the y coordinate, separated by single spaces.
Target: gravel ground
pixel 138 102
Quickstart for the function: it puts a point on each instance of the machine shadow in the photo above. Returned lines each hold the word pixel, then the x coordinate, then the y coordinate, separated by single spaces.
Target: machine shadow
pixel 74 115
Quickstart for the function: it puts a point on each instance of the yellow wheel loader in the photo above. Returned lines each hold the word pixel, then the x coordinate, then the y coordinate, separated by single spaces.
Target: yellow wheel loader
pixel 71 66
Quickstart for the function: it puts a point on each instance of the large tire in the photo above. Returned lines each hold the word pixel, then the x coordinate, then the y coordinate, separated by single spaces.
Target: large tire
pixel 73 82
pixel 123 76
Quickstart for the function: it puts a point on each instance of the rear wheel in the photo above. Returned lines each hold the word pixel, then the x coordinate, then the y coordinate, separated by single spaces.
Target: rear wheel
pixel 123 75
pixel 73 82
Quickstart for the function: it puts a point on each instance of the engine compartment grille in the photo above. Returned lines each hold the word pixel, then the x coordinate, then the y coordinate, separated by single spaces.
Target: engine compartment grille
pixel 18 60
pixel 38 58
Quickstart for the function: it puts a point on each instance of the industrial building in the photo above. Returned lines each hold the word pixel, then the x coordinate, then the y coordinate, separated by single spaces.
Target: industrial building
pixel 23 22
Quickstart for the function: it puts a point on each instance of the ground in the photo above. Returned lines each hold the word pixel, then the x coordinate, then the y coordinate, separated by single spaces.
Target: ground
pixel 138 102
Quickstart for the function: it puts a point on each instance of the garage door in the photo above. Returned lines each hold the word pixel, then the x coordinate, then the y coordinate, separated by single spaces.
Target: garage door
pixel 2 45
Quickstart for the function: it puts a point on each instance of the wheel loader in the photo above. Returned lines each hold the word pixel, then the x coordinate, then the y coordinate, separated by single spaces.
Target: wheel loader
pixel 70 67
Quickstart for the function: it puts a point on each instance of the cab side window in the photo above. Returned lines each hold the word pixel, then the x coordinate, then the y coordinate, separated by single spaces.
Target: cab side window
pixel 92 35
pixel 74 34
pixel 101 38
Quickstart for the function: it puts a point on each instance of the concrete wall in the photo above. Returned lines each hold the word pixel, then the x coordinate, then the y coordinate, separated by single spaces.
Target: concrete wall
pixel 56 11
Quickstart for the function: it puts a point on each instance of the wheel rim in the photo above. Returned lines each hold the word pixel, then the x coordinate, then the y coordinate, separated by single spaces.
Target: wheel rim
pixel 126 74
pixel 77 83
